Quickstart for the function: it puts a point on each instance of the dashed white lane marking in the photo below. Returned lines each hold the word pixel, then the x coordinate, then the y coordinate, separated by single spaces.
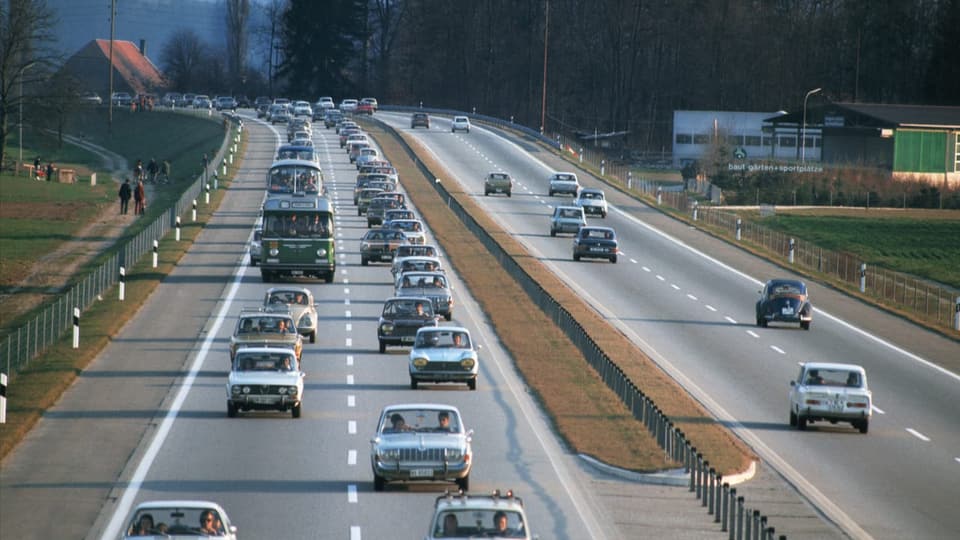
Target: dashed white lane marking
pixel 349 360
pixel 692 297
pixel 645 269
pixel 778 349
pixel 340 234
pixel 349 327
pixel 346 291
pixel 352 457
pixel 355 532
pixel 661 278
pixel 675 287
pixel 349 342
pixel 753 334
pixel 352 427
pixel 878 410
pixel 346 301
pixel 352 493
pixel 347 314
pixel 351 401
pixel 957 459
pixel 343 271
pixel 345 281
pixel 918 435
pixel 349 380
pixel 711 308
pixel 634 261
pixel 730 320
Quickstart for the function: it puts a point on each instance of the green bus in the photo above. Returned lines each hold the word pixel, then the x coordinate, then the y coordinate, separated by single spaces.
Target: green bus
pixel 297 238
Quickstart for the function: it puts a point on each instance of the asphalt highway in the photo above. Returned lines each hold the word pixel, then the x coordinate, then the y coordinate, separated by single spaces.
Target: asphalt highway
pixel 692 310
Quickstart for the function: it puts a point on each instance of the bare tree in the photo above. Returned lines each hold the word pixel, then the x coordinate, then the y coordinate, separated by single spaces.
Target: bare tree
pixel 184 57
pixel 238 14
pixel 267 38
pixel 26 55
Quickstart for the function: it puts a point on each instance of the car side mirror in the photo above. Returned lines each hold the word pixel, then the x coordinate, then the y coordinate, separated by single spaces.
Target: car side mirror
pixel 793 383
pixel 469 433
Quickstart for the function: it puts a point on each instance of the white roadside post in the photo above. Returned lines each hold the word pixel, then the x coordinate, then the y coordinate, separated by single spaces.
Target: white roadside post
pixel 177 235
pixel 790 253
pixel 659 195
pixel 156 248
pixel 739 226
pixel 206 195
pixel 123 283
pixel 629 179
pixel 76 328
pixel 3 398
pixel 863 277
pixel 696 206
pixel 193 215
pixel 956 315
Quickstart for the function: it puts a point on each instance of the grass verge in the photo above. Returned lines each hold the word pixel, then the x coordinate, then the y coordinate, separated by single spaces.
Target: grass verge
pixel 585 413
pixel 41 383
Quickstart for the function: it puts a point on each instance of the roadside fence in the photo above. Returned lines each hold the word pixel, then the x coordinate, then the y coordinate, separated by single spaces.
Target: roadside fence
pixel 25 343
pixel 721 501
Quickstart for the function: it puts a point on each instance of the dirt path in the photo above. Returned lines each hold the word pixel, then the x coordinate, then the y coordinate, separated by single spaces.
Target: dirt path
pixel 51 273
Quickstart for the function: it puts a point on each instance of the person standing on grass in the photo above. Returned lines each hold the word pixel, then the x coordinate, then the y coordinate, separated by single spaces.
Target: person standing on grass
pixel 139 198
pixel 165 169
pixel 125 193
pixel 152 170
pixel 50 172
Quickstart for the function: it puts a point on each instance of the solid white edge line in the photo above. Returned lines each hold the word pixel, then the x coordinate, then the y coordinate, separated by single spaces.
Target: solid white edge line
pixel 130 493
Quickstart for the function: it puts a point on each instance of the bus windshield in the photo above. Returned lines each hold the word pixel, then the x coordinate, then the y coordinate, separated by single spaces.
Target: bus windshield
pixel 298 225
pixel 294 177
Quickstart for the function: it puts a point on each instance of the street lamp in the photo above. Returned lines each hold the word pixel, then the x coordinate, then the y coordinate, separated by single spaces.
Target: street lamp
pixel 803 130
pixel 20 105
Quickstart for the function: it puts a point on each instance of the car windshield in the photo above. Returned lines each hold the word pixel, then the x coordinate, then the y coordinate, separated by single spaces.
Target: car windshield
pixel 265 325
pixel 289 297
pixel 416 251
pixel 403 225
pixel 408 308
pixel 591 195
pixel 564 178
pixel 420 421
pixel 170 521
pixel 444 339
pixel 470 523
pixel 272 361
pixel 570 212
pixel 598 234
pixel 780 289
pixel 833 377
pixel 420 281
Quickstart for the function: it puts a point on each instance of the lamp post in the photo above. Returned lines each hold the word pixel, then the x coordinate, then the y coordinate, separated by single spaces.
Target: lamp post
pixel 20 106
pixel 803 130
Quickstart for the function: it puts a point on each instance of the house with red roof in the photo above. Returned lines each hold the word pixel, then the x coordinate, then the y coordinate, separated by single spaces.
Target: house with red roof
pixel 133 72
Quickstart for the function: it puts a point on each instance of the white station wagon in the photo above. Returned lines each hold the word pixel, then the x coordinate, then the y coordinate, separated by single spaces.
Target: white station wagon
pixel 830 393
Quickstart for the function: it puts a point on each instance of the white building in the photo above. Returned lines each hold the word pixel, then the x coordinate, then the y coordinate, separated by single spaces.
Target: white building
pixel 696 133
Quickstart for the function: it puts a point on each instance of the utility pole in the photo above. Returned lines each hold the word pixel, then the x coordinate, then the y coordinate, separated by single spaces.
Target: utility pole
pixel 543 100
pixel 113 15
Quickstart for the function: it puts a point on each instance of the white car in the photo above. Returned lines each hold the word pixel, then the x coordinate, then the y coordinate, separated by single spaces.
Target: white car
pixel 326 102
pixel 367 155
pixel 180 519
pixel 592 201
pixel 564 182
pixel 443 354
pixel 828 392
pixel 460 123
pixel 567 219
pixel 495 515
pixel 256 245
pixel 412 229
pixel 416 264
pixel 265 378
pixel 349 105
pixel 302 108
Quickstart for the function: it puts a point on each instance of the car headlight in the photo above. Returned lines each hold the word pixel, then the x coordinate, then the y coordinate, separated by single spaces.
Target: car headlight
pixel 321 252
pixel 235 390
pixel 390 454
pixel 246 389
pixel 292 390
pixel 386 328
pixel 364 245
pixel 468 363
pixel 453 454
pixel 274 252
pixel 305 321
pixel 420 362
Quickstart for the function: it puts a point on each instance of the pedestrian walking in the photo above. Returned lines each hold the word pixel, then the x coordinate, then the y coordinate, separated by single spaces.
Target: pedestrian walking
pixel 152 170
pixel 49 172
pixel 125 193
pixel 165 171
pixel 139 199
pixel 138 170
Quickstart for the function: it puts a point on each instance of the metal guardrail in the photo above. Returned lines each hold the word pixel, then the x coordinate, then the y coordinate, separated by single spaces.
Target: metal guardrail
pixel 933 303
pixel 718 497
pixel 25 343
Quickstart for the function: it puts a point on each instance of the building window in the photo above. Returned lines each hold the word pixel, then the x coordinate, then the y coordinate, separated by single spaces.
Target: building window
pixel 788 142
pixel 701 138
pixel 753 140
pixel 684 138
pixel 811 142
pixel 735 140
pixel 768 141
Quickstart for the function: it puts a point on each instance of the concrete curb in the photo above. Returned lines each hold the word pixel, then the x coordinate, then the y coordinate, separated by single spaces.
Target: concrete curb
pixel 672 477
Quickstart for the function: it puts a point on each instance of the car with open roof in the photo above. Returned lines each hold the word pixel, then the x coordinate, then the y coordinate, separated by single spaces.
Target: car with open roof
pixel 489 515
pixel 180 519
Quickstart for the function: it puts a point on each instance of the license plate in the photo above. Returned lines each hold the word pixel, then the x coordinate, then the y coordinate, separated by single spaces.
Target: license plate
pixel 421 473
pixel 597 249
pixel 263 400
pixel 499 190
pixel 406 339
pixel 787 311
pixel 296 272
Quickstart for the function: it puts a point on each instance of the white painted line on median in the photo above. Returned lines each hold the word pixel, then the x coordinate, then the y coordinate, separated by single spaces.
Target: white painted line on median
pixel 349 327
pixel 352 427
pixel 352 457
pixel 352 493
pixel 918 435
pixel 349 360
pixel 778 349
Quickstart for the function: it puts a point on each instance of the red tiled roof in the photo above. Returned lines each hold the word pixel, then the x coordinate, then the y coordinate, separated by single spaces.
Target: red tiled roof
pixel 133 67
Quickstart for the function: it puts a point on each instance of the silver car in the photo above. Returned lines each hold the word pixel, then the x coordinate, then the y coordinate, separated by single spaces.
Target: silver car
pixel 444 354
pixel 300 302
pixel 490 515
pixel 433 285
pixel 567 219
pixel 592 201
pixel 424 442
pixel 179 519
pixel 564 182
